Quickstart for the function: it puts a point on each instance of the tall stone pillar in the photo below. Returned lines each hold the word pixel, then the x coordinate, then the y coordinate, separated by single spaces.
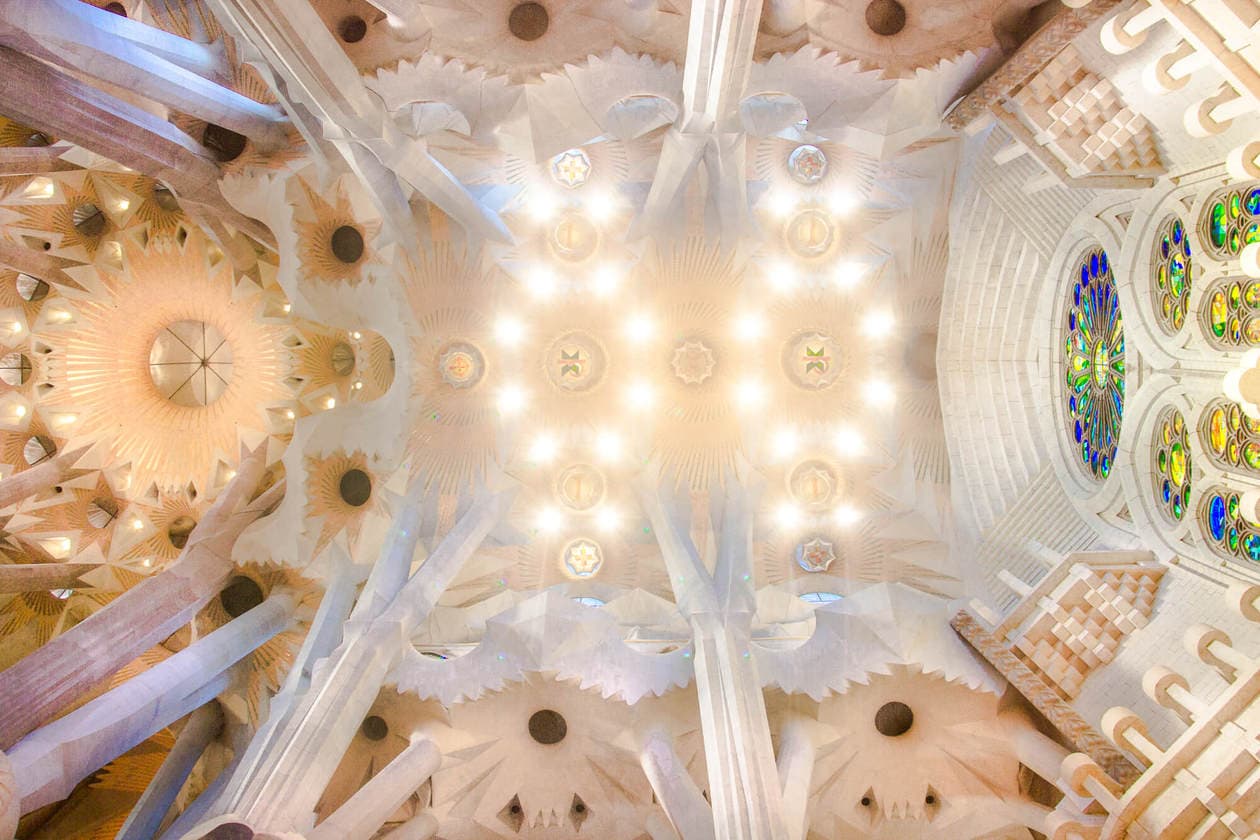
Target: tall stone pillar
pixel 743 779
pixel 41 477
pixel 52 760
pixel 36 688
pixel 286 769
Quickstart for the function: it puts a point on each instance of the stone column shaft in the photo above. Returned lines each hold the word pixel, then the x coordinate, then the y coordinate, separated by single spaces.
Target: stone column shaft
pixel 287 768
pixel 423 826
pixel 363 813
pixel 146 817
pixel 125 53
pixel 41 577
pixel 108 126
pixel 677 792
pixel 41 477
pixel 55 758
pixel 796 770
pixel 37 687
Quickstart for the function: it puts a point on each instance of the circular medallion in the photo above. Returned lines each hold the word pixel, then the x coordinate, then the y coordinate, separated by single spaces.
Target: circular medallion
pixel 815 555
pixel 580 487
pixel 809 233
pixel 693 361
pixel 571 168
pixel 461 365
pixel 811 359
pixel 814 484
pixel 575 362
pixel 191 363
pixel 582 558
pixel 574 238
pixel 807 164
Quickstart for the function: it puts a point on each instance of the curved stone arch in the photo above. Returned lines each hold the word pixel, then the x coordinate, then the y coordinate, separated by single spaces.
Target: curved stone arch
pixel 1093 500
pixel 1134 263
pixel 1144 411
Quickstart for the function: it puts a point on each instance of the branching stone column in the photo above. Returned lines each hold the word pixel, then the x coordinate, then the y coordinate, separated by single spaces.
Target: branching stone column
pixel 121 131
pixel 41 477
pixel 38 687
pixel 138 57
pixel 683 802
pixel 743 780
pixel 319 76
pixel 363 813
pixel 146 817
pixel 286 769
pixel 52 760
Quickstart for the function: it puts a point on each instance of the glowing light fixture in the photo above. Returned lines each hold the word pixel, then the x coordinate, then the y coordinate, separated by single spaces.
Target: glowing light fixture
pixel 511 399
pixel 846 516
pixel 749 326
pixel 880 393
pixel 640 395
pixel 608 446
pixel 509 330
pixel 878 323
pixel 548 520
pixel 639 328
pixel 849 441
pixel 785 442
pixel 788 516
pixel 544 448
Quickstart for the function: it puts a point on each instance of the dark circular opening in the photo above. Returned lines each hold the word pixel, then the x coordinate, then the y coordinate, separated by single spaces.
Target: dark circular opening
pixel 515 809
pixel 347 244
pixel 224 143
pixel 894 719
pixel 164 198
pixel 355 487
pixel 886 17
pixel 37 138
pixel 529 21
pixel 547 727
pixel 230 831
pixel 88 219
pixel 352 29
pixel 31 288
pixel 342 359
pixel 57 488
pixel 240 596
pixel 179 529
pixel 47 246
pixel 116 8
pixel 930 799
pixel 375 728
pixel 866 801
pixel 579 808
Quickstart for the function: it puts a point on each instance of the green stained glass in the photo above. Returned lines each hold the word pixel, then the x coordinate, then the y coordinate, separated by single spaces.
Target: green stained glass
pixel 1173 461
pixel 1094 363
pixel 1173 273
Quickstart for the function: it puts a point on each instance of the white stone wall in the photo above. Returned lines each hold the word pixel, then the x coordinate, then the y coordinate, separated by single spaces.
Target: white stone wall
pixel 1185 598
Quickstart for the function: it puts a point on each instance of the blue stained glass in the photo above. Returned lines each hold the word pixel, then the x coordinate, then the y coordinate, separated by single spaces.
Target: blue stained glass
pixel 1103 263
pixel 1177 232
pixel 1078 431
pixel 1251 545
pixel 1093 264
pixel 1216 517
pixel 1094 356
pixel 1084 275
pixel 1252 202
pixel 1167 492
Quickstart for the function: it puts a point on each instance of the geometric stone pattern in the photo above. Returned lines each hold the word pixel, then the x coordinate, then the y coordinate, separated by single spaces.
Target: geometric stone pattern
pixel 1082 119
pixel 1081 625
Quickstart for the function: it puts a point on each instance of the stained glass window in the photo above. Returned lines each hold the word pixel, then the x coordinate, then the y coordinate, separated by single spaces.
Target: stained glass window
pixel 820 597
pixel 1231 220
pixel 1094 363
pixel 1173 270
pixel 1229 532
pixel 1231 437
pixel 1231 313
pixel 1172 464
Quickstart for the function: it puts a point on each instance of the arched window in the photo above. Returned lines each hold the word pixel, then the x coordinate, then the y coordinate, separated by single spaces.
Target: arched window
pixel 1231 313
pixel 1173 271
pixel 1231 438
pixel 1172 464
pixel 1231 220
pixel 1228 532
pixel 1093 351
